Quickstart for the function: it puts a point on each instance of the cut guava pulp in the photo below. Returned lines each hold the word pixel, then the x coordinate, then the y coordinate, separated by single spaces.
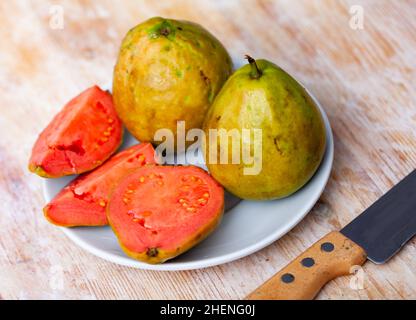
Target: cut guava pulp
pixel 83 201
pixel 159 212
pixel 79 138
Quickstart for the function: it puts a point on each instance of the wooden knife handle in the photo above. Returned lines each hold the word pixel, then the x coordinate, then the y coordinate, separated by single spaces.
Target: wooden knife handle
pixel 331 257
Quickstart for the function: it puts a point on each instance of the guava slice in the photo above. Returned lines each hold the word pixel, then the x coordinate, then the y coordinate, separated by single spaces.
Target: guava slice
pixel 83 201
pixel 159 212
pixel 85 133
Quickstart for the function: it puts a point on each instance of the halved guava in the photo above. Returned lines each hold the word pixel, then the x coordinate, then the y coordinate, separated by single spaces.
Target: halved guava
pixel 159 212
pixel 83 201
pixel 80 137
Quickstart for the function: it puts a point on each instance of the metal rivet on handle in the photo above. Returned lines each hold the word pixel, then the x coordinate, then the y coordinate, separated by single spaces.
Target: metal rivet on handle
pixel 327 247
pixel 288 278
pixel 308 262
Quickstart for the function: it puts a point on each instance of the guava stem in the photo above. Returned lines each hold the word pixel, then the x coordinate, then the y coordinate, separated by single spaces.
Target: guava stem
pixel 255 71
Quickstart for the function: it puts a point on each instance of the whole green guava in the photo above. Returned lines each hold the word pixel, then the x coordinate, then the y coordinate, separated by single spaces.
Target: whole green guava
pixel 262 96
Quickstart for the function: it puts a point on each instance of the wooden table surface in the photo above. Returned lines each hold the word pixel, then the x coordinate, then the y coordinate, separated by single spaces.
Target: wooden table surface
pixel 364 78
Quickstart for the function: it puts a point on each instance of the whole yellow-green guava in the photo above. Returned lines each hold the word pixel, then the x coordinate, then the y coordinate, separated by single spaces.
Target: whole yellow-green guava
pixel 167 71
pixel 271 106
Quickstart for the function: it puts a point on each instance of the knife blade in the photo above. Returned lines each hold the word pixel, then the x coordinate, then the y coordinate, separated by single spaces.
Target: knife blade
pixel 376 234
pixel 388 224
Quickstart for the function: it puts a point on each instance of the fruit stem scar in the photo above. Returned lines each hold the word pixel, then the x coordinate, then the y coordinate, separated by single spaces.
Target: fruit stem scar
pixel 255 71
pixel 152 252
pixel 165 31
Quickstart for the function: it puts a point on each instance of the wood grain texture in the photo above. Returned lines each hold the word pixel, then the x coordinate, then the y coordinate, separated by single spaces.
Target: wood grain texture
pixel 363 78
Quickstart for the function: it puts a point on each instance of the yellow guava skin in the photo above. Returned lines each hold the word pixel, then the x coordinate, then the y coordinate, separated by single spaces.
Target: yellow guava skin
pixel 293 132
pixel 167 71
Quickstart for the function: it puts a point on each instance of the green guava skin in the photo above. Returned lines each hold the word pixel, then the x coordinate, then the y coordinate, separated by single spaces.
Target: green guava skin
pixel 293 132
pixel 167 71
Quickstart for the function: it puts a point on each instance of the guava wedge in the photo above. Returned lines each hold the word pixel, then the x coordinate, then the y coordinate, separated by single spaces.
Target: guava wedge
pixel 85 133
pixel 159 212
pixel 83 201
pixel 167 71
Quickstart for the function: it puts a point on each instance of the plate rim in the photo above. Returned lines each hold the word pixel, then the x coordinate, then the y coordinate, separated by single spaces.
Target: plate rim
pixel 229 257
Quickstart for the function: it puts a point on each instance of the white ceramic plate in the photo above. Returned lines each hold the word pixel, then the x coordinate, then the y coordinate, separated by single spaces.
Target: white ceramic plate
pixel 246 228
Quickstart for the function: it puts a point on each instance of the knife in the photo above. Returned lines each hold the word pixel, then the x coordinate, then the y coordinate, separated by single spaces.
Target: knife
pixel 377 234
